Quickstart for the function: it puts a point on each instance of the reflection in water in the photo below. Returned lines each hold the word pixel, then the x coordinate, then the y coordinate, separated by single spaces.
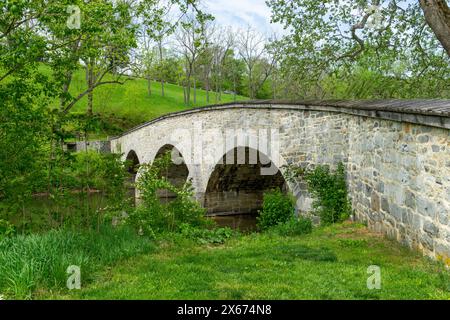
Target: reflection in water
pixel 241 222
pixel 42 208
pixel 245 222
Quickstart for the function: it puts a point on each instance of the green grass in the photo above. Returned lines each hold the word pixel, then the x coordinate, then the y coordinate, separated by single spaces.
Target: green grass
pixel 30 263
pixel 330 263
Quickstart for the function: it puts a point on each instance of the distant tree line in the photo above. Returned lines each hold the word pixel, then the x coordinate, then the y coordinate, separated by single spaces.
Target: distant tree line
pixel 194 52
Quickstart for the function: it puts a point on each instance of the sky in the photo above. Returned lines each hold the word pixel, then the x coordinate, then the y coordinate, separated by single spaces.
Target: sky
pixel 242 13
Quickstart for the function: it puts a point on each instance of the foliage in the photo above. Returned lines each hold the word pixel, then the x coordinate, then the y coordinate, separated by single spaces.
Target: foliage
pixel 206 235
pixel 40 261
pixel 40 58
pixel 329 190
pixel 105 42
pixel 277 208
pixel 391 40
pixel 83 191
pixel 151 216
pixel 6 229
pixel 295 226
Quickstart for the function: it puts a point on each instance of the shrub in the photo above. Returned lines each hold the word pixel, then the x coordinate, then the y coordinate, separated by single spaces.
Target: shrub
pixel 277 208
pixel 293 227
pixel 6 229
pixel 152 217
pixel 329 191
pixel 206 236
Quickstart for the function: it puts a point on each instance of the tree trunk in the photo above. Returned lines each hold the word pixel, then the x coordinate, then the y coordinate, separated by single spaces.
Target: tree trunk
pixel 207 90
pixel 90 102
pixel 65 89
pixel 149 85
pixel 195 86
pixel 437 16
pixel 274 88
pixel 216 91
pixel 188 91
pixel 195 91
pixel 90 83
pixel 250 85
pixel 160 61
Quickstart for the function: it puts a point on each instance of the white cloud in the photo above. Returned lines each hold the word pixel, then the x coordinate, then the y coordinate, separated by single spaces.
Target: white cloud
pixel 242 13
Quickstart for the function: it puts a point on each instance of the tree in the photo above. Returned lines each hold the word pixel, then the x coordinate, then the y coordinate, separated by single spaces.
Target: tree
pixel 258 59
pixel 39 53
pixel 205 61
pixel 437 16
pixel 191 37
pixel 338 37
pixel 156 27
pixel 101 42
pixel 147 59
pixel 204 67
pixel 224 42
pixel 106 52
pixel 233 72
pixel 24 95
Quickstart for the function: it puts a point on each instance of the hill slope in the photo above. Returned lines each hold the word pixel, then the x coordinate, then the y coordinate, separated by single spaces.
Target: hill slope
pixel 127 105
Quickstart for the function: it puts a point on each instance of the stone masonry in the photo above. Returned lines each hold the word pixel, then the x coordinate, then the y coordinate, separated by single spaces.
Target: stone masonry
pixel 397 155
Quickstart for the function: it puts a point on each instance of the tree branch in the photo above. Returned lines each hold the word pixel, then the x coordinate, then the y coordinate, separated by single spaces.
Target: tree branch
pixel 437 16
pixel 88 90
pixel 358 26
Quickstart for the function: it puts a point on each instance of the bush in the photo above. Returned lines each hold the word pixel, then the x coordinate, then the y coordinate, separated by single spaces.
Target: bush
pixel 277 208
pixel 152 217
pixel 6 229
pixel 329 191
pixel 206 236
pixel 293 227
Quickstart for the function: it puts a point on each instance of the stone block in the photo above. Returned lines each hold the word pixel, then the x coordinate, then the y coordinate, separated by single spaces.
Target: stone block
pixel 375 202
pixel 426 241
pixel 430 228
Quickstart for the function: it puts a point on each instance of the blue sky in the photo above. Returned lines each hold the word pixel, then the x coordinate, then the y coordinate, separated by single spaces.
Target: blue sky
pixel 241 13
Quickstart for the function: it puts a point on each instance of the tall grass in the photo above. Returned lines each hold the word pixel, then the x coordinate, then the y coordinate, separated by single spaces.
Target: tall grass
pixel 40 261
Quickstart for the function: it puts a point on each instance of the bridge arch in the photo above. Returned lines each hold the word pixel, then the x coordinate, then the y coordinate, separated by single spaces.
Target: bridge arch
pixel 132 163
pixel 237 182
pixel 177 172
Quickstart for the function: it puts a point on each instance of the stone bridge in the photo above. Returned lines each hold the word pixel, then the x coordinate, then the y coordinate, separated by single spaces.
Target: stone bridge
pixel 397 155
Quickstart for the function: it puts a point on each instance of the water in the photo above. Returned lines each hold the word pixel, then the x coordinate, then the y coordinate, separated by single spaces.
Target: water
pixel 41 212
pixel 241 222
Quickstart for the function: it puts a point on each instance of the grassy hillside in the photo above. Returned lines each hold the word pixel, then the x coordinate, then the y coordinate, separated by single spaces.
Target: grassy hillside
pixel 129 104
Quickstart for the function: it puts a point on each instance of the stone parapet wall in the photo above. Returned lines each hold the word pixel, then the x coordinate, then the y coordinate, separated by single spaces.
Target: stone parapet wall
pixel 98 145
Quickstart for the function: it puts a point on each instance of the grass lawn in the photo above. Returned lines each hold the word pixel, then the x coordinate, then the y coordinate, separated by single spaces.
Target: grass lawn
pixel 330 263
